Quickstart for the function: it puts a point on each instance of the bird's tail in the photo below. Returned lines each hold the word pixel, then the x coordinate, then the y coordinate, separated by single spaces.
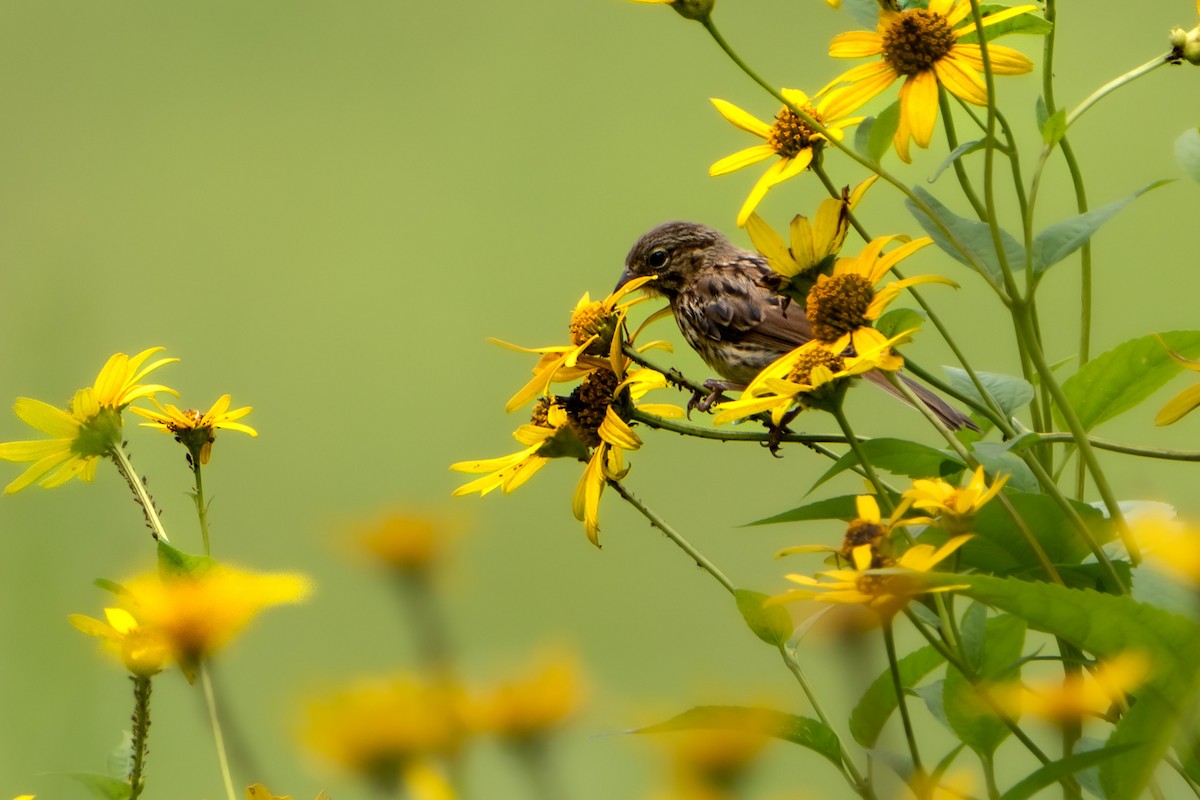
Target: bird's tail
pixel 950 416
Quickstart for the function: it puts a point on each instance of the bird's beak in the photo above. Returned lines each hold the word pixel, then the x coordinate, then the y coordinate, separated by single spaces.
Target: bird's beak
pixel 626 277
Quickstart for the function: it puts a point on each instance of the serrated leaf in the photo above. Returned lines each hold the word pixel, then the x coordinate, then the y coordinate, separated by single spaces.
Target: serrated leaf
pixel 974 235
pixel 1107 625
pixel 808 733
pixel 843 507
pixel 899 320
pixel 878 703
pixel 1063 238
pixel 963 149
pixel 1057 770
pixel 102 786
pixel 899 457
pixel 1055 128
pixel 1009 392
pixel 173 561
pixel 1116 381
pixel 1187 152
pixel 996 457
pixel 772 624
pixel 975 724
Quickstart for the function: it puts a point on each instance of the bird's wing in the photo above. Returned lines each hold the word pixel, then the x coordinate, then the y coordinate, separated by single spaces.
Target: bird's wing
pixel 737 303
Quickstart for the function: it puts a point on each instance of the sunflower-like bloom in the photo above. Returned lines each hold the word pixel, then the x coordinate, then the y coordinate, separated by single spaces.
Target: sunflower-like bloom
pixel 883 588
pixel 142 649
pixel 595 342
pixel 811 376
pixel 789 137
pixel 842 307
pixel 406 542
pixel 813 246
pixel 923 46
pixel 195 430
pixel 197 613
pixel 88 430
pixel 1183 403
pixel 380 728
pixel 534 704
pixel 868 528
pixel 952 507
pixel 710 764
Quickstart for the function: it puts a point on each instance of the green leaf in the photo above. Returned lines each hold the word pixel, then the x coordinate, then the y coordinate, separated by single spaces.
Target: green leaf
pixel 1187 152
pixel 1023 23
pixel 1116 381
pixel 865 12
pixel 879 701
pixel 843 507
pixel 997 457
pixel 120 758
pixel 883 131
pixel 963 149
pixel 1041 113
pixel 1106 625
pixel 1009 392
pixel 975 236
pixel 109 586
pixel 1057 770
pixel 1055 128
pixel 899 320
pixel 809 733
pixel 102 786
pixel 999 547
pixel 973 628
pixel 772 624
pixel 899 457
pixel 976 725
pixel 1063 238
pixel 172 561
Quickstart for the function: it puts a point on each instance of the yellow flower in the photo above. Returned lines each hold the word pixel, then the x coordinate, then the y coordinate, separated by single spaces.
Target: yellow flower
pixel 868 529
pixel 813 246
pixel 195 430
pixel 811 376
pixel 923 46
pixel 1181 404
pixel 1076 697
pixel 88 430
pixel 789 138
pixel 535 703
pixel 595 342
pixel 143 650
pixel 379 726
pixel 1171 545
pixel 842 307
pixel 406 542
pixel 198 613
pixel 886 590
pixel 953 509
pixel 259 792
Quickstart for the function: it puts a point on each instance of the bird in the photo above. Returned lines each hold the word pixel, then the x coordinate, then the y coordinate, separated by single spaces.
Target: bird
pixel 726 304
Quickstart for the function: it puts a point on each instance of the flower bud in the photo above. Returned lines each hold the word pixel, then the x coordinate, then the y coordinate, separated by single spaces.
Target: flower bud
pixel 699 10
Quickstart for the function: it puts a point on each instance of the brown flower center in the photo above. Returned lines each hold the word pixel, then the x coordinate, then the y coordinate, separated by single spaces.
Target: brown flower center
pixel 592 320
pixel 916 40
pixel 839 305
pixel 813 358
pixel 588 404
pixel 790 134
pixel 541 413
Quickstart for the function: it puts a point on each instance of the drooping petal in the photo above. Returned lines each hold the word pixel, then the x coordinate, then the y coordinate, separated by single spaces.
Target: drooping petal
pixel 759 191
pixel 1179 406
pixel 742 119
pixel 742 158
pixel 771 245
pixel 46 418
pixel 920 106
pixel 37 470
pixel 617 432
pixel 960 80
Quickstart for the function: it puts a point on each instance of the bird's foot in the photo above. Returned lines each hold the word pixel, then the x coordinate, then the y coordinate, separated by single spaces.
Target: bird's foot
pixel 716 393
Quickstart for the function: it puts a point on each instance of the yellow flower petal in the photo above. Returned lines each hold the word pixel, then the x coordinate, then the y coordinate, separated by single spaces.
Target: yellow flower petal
pixel 960 80
pixel 919 105
pixel 742 119
pixel 856 44
pixel 1179 406
pixel 742 158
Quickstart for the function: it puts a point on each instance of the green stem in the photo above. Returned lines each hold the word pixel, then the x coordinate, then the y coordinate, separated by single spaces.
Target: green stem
pixel 141 495
pixel 673 535
pixel 861 786
pixel 1116 83
pixel 534 755
pixel 210 700
pixel 1127 449
pixel 725 435
pixel 881 492
pixel 428 623
pixel 960 171
pixel 201 506
pixel 889 642
pixel 989 775
pixel 140 734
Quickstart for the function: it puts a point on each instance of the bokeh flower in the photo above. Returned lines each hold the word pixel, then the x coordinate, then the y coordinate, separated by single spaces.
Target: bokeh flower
pixel 789 137
pixel 88 430
pixel 1172 545
pixel 142 649
pixel 406 542
pixel 710 764
pixel 923 46
pixel 378 728
pixel 259 792
pixel 1091 693
pixel 193 429
pixel 868 528
pixel 533 704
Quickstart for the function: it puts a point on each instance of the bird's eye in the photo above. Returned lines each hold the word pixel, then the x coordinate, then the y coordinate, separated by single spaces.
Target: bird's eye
pixel 657 258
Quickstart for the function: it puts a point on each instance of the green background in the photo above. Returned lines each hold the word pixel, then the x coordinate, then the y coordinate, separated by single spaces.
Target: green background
pixel 324 209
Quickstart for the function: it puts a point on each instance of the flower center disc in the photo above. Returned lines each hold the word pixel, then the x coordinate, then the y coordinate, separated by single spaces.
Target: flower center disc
pixel 588 404
pixel 916 40
pixel 817 357
pixel 839 306
pixel 789 134
pixel 591 320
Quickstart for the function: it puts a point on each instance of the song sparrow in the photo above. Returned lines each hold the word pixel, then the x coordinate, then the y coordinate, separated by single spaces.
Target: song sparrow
pixel 725 302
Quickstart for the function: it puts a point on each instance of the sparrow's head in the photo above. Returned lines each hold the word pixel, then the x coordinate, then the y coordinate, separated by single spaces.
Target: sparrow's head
pixel 672 253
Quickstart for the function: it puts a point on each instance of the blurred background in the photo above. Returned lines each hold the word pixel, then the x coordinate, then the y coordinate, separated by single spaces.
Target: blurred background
pixel 324 209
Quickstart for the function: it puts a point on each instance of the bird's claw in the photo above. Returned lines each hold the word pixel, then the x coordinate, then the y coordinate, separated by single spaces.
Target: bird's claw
pixel 703 402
